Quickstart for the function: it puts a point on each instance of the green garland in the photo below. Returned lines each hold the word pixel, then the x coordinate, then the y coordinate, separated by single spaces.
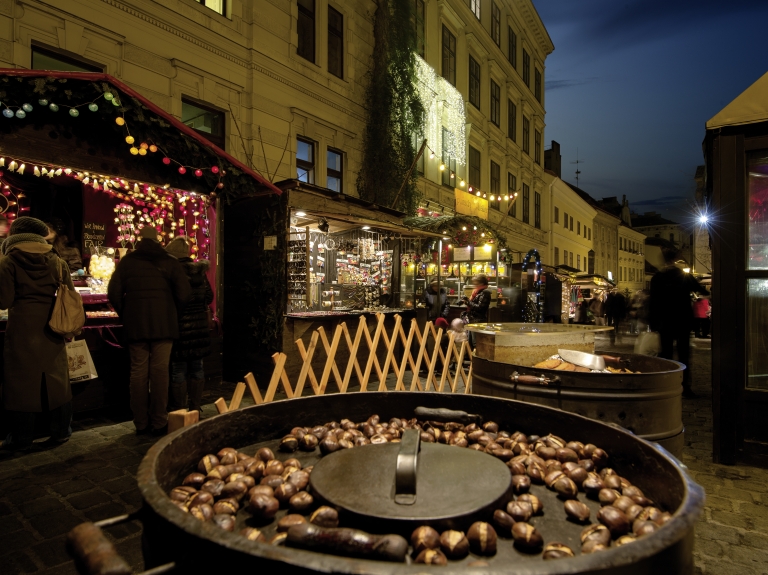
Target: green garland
pixel 453 226
pixel 394 112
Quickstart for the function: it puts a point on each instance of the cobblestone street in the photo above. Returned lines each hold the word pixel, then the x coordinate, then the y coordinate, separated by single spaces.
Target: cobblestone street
pixel 92 477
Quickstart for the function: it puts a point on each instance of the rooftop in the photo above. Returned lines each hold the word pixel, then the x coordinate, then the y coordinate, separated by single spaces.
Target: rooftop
pixel 650 219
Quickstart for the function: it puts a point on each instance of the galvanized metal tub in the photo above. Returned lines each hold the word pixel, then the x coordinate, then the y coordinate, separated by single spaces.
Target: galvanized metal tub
pixel 648 404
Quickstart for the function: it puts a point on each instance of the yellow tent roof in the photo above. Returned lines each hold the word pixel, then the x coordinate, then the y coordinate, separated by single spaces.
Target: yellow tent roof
pixel 749 107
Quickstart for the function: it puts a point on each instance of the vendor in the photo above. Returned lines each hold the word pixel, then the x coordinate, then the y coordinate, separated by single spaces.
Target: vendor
pixel 480 301
pixel 436 303
pixel 63 247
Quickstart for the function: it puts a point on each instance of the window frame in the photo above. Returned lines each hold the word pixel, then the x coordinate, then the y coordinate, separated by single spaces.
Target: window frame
pixel 475 77
pixel 511 189
pixel 557 255
pixel 511 120
pixel 537 146
pixel 557 215
pixel 512 47
pixel 495 116
pixel 223 7
pixel 496 24
pixel 220 141
pixel 537 84
pixel 64 57
pixel 565 220
pixel 311 46
pixel 474 169
pixel 419 19
pixel 474 7
pixel 526 203
pixel 334 33
pixel 536 209
pixel 340 172
pixel 308 167
pixel 526 68
pixel 570 227
pixel 495 186
pixel 450 163
pixel 449 55
pixel 526 135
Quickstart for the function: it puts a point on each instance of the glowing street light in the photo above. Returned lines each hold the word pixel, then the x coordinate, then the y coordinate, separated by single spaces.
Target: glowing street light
pixel 703 219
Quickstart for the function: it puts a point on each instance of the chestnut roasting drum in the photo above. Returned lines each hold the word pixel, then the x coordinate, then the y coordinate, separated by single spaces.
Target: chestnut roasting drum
pixel 385 484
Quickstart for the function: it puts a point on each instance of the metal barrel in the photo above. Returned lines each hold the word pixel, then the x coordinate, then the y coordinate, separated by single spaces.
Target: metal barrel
pixel 648 403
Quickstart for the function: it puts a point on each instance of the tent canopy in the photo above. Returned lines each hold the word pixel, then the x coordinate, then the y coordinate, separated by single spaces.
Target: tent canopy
pixel 749 107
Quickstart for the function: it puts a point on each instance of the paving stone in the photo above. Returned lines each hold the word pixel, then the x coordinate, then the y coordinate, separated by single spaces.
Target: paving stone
pixel 710 547
pixel 115 453
pixel 123 530
pixel 103 474
pixel 128 461
pixel 19 562
pixel 5 509
pixel 119 485
pixel 55 524
pixel 76 485
pixel 130 550
pixel 13 542
pixel 738 494
pixel 713 531
pixel 65 569
pixel 132 498
pixel 88 499
pixel 89 464
pixel 9 524
pixel 51 552
pixel 40 506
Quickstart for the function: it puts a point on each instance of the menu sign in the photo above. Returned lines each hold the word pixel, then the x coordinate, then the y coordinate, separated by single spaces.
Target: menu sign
pixel 470 204
pixel 94 234
pixel 462 254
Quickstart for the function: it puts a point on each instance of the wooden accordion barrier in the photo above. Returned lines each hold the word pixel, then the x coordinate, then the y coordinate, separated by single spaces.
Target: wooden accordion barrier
pixel 427 371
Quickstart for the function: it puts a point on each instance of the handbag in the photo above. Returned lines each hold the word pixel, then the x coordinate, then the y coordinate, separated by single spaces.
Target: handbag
pixel 648 343
pixel 68 317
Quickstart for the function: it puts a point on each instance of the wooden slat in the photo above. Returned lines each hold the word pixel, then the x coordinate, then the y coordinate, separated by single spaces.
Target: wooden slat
pixel 451 352
pixel 237 397
pixel 353 347
pixel 401 375
pixel 416 382
pixel 468 388
pixel 330 364
pixel 390 341
pixel 433 363
pixel 250 381
pixel 388 360
pixel 372 359
pixel 176 419
pixel 277 376
pixel 407 350
pixel 459 367
pixel 306 367
pixel 327 347
pixel 221 405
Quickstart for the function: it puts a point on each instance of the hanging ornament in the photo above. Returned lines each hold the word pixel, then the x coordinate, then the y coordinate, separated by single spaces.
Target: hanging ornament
pixel 134 150
pixel 119 121
pixel 43 102
pixel 215 169
pixel 8 113
pixel 129 140
pixel 21 169
pixel 93 107
pixel 53 107
pixel 13 165
pixel 153 148
pixel 142 151
pixel 182 170
pixel 220 185
pixel 166 160
pixel 36 171
pixel 115 102
pixel 74 112
pixel 198 172
pixel 27 107
pixel 21 114
pixel 108 95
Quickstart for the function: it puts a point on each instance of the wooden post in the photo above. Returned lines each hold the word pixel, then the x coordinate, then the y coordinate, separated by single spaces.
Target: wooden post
pixel 221 405
pixel 306 367
pixel 237 397
pixel 353 347
pixel 250 381
pixel 182 418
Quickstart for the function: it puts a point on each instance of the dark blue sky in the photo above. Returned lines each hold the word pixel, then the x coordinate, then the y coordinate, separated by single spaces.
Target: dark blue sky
pixel 631 83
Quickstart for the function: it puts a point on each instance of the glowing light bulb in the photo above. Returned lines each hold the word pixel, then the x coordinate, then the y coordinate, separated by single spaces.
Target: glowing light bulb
pixel 462 183
pixel 119 121
pixel 431 155
pixel 442 167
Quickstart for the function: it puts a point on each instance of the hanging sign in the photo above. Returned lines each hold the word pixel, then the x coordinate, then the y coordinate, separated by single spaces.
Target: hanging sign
pixel 270 243
pixel 462 254
pixel 94 235
pixel 470 204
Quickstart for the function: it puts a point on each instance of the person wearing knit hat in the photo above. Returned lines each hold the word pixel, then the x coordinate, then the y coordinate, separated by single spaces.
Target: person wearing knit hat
pixel 35 357
pixel 148 290
pixel 194 342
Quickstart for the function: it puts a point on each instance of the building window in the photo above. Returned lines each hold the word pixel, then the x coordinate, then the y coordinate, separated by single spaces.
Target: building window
pixel 215 5
pixel 585 231
pixel 571 259
pixel 335 170
pixel 537 146
pixel 589 234
pixel 305 160
pixel 578 227
pixel 495 23
pixel 495 103
pixel 495 186
pixel 44 59
pixel 511 189
pixel 571 223
pixel 474 167
pixel 335 42
pixel 557 215
pixel 511 120
pixel 526 135
pixel 448 162
pixel 537 84
pixel 565 220
pixel 419 24
pixel 449 56
pixel 474 5
pixel 512 54
pixel 536 210
pixel 672 237
pixel 578 261
pixel 416 140
pixel 306 28
pixel 474 83
pixel 557 255
pixel 526 68
pixel 208 122
pixel 526 203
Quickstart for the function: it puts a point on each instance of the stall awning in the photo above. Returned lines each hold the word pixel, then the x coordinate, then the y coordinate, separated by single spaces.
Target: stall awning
pixel 593 280
pixel 749 107
pixel 462 230
pixel 94 136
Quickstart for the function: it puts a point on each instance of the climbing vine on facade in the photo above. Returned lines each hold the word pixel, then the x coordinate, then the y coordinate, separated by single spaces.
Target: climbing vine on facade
pixel 395 114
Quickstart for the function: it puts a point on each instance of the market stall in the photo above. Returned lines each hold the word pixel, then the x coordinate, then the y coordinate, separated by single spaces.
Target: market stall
pixel 97 161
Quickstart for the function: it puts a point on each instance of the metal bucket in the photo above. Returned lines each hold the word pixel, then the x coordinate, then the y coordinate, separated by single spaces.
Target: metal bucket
pixel 649 403
pixel 196 547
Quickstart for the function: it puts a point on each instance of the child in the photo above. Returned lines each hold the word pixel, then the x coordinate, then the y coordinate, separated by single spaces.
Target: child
pixel 459 336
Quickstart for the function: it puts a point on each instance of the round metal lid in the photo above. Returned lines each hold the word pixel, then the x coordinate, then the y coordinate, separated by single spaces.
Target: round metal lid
pixel 412 482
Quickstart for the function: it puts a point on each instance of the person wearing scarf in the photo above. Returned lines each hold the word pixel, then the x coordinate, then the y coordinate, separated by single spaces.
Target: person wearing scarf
pixel 36 374
pixel 478 303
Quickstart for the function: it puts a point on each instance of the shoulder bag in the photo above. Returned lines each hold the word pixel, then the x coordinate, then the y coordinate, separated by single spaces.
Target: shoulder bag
pixel 68 317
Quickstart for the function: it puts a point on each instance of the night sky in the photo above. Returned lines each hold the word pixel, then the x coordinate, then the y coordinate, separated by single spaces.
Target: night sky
pixel 631 83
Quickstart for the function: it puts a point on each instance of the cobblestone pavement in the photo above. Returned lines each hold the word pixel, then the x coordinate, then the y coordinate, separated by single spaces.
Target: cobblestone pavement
pixel 93 476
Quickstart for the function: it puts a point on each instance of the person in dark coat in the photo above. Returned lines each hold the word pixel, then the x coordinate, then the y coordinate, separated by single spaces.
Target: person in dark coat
pixel 615 312
pixel 36 370
pixel 671 313
pixel 147 290
pixel 194 341
pixel 478 303
pixel 437 305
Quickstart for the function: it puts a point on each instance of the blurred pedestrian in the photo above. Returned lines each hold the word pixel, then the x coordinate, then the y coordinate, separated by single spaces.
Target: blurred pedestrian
pixel 437 304
pixel 36 370
pixel 147 290
pixel 477 304
pixel 701 317
pixel 671 313
pixel 194 342
pixel 615 312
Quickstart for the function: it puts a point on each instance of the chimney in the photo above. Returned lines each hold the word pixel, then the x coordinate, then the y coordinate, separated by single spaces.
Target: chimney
pixel 553 159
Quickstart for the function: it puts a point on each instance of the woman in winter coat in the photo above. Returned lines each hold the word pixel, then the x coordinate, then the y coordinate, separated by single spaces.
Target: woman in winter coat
pixel 478 304
pixel 36 370
pixel 194 343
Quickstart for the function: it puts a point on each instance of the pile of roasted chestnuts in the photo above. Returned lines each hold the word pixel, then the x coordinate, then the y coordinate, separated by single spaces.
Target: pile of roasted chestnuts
pixel 261 485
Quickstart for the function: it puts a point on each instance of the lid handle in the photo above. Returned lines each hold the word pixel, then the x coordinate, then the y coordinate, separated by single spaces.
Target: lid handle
pixel 407 467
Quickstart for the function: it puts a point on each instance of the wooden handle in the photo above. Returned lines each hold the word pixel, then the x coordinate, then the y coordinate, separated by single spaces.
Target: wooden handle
pixel 90 547
pixel 344 541
pixel 445 415
pixel 614 360
pixel 530 379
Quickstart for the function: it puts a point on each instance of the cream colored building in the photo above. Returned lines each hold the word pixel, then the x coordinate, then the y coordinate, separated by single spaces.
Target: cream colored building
pixel 571 234
pixel 631 262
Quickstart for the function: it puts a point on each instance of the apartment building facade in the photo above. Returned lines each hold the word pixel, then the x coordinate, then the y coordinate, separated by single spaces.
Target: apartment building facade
pixel 631 259
pixel 571 235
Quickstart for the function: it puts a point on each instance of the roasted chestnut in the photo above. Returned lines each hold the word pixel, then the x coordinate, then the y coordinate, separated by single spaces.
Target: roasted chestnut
pixel 308 442
pixel 520 484
pixel 565 488
pixel 614 519
pixel 263 506
pixel 226 506
pixel 597 533
pixel 556 551
pixel 536 504
pixel 576 510
pixel 253 534
pixel 482 538
pixel 431 557
pixel 289 444
pixel 325 517
pixel 424 537
pixel 207 463
pixel 503 522
pixel 195 480
pixel 265 454
pixel 454 544
pixel 284 492
pixel 287 521
pixel 520 510
pixel 300 502
pixel 526 536
pixel 225 521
